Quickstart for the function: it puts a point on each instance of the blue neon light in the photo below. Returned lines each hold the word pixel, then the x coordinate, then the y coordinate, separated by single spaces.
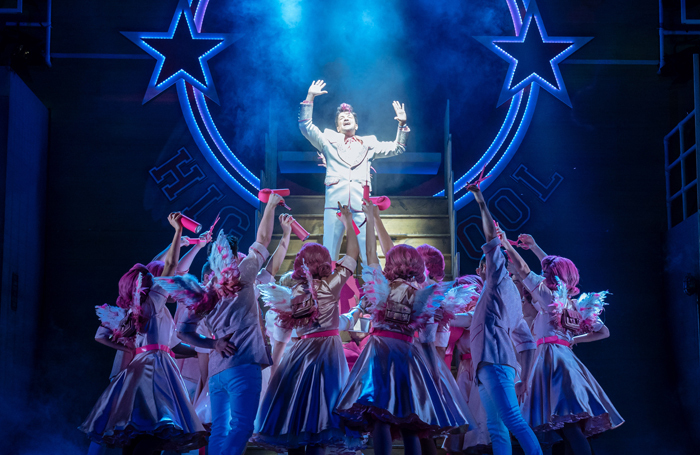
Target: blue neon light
pixel 493 148
pixel 207 151
pixel 512 147
pixel 207 87
pixel 220 143
pixel 508 91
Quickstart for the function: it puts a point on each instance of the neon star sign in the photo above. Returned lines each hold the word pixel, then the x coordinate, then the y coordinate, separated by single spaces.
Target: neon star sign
pixel 534 59
pixel 181 53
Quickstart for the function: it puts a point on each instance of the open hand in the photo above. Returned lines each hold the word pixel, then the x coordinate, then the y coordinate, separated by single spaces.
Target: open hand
pixel 322 159
pixel 400 113
pixel 286 223
pixel 316 88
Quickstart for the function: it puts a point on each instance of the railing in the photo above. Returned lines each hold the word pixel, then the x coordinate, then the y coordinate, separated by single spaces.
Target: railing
pixel 680 168
pixel 449 192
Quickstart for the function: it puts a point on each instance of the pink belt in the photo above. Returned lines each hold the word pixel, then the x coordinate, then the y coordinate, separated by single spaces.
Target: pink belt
pixel 390 334
pixel 153 347
pixel 553 340
pixel 466 356
pixel 325 333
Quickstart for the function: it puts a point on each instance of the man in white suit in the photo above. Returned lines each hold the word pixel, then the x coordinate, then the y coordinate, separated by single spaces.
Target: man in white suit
pixel 348 159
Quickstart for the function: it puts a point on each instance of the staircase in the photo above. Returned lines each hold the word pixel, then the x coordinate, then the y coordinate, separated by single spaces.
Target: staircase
pixel 410 220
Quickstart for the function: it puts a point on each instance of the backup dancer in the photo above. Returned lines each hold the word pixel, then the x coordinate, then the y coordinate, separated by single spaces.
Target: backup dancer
pixel 348 161
pixel 391 389
pixel 497 331
pixel 146 407
pixel 478 438
pixel 296 414
pixel 561 393
pixel 228 307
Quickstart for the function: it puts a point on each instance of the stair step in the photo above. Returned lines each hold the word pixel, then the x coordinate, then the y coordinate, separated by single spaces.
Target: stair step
pixel 400 205
pixel 439 241
pixel 396 225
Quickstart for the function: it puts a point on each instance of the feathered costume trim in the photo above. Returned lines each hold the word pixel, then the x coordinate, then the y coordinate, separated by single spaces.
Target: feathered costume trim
pixel 225 281
pixel 140 320
pixel 590 306
pixel 279 300
pixel 112 317
pixel 376 289
pixel 457 299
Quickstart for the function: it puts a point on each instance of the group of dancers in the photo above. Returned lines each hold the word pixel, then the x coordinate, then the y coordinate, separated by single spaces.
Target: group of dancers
pixel 512 330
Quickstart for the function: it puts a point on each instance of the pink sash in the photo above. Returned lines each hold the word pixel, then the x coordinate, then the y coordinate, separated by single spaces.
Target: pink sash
pixel 553 340
pixel 325 333
pixel 390 334
pixel 153 347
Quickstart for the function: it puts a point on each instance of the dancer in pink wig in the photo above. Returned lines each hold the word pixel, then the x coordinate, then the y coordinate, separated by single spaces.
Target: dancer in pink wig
pixel 561 393
pixel 296 414
pixel 146 407
pixel 392 391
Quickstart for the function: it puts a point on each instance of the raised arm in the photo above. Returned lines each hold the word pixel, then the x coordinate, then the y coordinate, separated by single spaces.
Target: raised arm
pixel 384 238
pixel 268 220
pixel 184 241
pixel 184 265
pixel 173 255
pixel 273 266
pixel 530 244
pixel 370 236
pixel 397 147
pixel 308 129
pixel 353 247
pixel 519 265
pixel 486 218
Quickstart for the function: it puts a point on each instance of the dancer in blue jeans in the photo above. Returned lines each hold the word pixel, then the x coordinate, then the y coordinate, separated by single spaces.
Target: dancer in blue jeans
pixel 498 330
pixel 229 309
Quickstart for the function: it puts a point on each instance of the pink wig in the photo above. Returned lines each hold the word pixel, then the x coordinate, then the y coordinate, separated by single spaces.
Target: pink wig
pixel 156 268
pixel 127 283
pixel 404 261
pixel 317 259
pixel 434 261
pixel 557 266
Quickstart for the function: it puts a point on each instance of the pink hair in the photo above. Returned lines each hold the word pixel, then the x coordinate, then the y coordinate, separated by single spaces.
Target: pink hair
pixel 127 283
pixel 557 266
pixel 404 261
pixel 317 259
pixel 156 268
pixel 434 261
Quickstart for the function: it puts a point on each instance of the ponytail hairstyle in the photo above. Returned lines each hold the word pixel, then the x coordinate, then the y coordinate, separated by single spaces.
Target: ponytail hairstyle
pixel 405 262
pixel 434 262
pixel 316 258
pixel 557 266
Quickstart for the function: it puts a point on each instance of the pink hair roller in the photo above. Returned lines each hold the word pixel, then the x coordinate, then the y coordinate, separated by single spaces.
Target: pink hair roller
pixel 192 241
pixel 190 224
pixel 365 191
pixel 264 195
pixel 299 230
pixel 382 202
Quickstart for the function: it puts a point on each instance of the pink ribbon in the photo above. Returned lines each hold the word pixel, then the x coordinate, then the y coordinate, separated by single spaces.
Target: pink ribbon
pixel 553 340
pixel 390 334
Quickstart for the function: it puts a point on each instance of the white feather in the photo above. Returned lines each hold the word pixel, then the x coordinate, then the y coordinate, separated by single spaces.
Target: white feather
pixel 110 316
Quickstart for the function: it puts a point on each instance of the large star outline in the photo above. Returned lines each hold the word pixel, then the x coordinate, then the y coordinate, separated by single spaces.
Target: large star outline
pixel 181 53
pixel 533 57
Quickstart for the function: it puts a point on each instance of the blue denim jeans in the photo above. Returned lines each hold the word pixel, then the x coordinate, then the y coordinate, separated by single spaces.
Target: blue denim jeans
pixel 234 394
pixel 497 392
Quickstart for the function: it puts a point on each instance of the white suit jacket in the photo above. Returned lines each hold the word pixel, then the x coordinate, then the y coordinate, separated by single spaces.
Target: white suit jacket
pixel 348 162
